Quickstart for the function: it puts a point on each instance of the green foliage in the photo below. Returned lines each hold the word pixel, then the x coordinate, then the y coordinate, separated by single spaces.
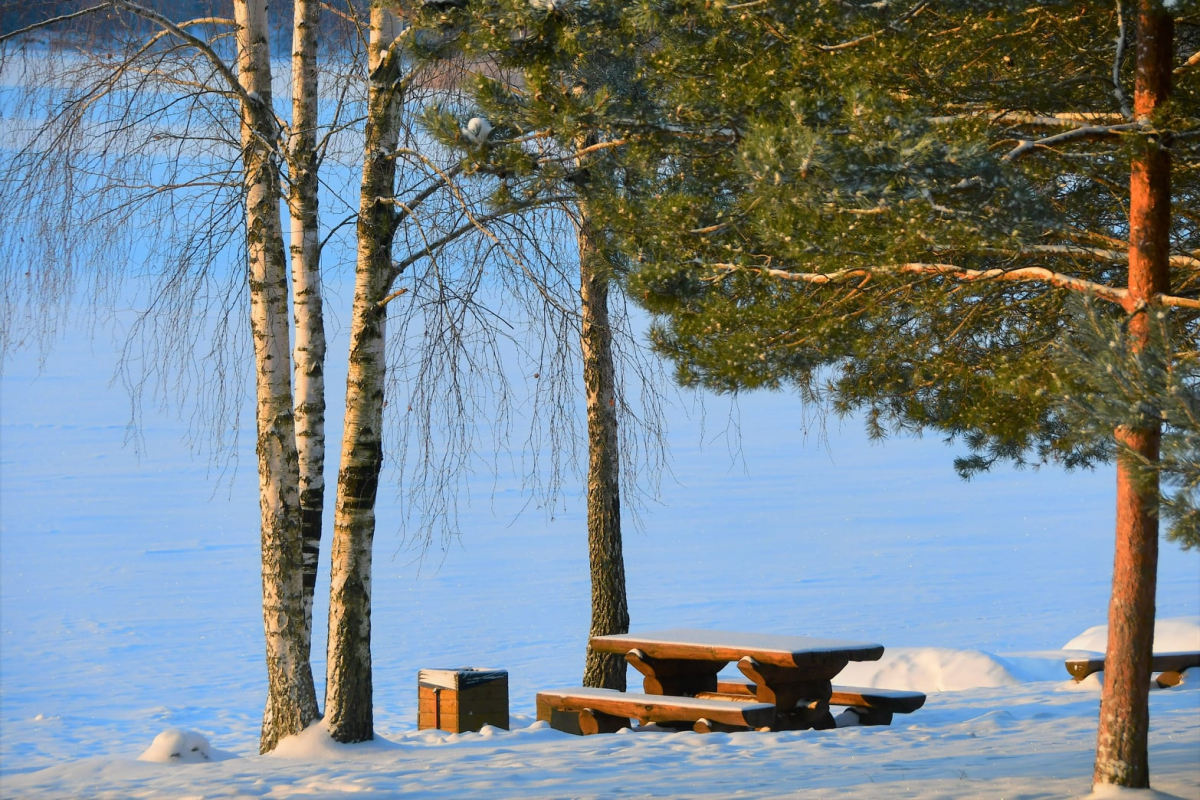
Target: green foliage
pixel 1116 384
pixel 846 142
pixel 820 137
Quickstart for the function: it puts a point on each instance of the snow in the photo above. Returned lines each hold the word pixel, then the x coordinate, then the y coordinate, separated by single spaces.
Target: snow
pixel 130 622
pixel 928 669
pixel 1170 636
pixel 175 746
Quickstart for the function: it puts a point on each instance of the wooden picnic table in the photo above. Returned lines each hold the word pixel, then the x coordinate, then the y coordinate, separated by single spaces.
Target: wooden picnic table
pixel 792 673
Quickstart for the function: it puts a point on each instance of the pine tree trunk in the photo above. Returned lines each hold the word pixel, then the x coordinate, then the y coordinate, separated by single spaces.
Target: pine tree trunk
pixel 309 348
pixel 610 609
pixel 348 694
pixel 1121 756
pixel 291 699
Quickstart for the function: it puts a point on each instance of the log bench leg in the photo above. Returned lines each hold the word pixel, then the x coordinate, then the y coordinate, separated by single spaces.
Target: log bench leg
pixel 1169 678
pixel 592 722
pixel 708 726
pixel 872 716
pixel 675 677
pixel 580 723
pixel 811 715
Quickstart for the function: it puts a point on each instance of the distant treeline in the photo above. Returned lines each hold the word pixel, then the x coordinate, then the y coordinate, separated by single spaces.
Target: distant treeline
pixel 107 24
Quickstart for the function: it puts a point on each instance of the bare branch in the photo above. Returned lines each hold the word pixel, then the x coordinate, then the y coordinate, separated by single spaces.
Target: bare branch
pixel 1118 60
pixel 197 43
pixel 829 48
pixel 1090 132
pixel 477 223
pixel 1096 253
pixel 391 297
pixel 54 21
pixel 1022 275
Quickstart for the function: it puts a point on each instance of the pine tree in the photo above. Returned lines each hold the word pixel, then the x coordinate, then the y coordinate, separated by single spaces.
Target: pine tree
pixel 546 75
pixel 888 208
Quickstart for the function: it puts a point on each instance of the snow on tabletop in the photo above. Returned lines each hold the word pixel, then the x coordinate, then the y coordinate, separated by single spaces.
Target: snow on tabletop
pixel 763 642
pixel 459 678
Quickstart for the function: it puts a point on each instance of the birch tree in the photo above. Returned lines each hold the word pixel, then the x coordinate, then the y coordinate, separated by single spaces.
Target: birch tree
pixel 291 696
pixel 348 696
pixel 147 68
pixel 309 347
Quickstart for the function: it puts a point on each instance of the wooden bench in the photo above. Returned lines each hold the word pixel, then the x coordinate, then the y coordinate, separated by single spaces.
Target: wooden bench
pixel 1169 664
pixel 588 711
pixel 872 706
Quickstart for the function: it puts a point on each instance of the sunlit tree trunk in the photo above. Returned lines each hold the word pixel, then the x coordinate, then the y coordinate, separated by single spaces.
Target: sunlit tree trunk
pixel 309 348
pixel 291 699
pixel 1121 756
pixel 610 609
pixel 348 694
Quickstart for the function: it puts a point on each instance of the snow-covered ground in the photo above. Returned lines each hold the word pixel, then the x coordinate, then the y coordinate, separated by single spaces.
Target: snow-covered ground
pixel 129 607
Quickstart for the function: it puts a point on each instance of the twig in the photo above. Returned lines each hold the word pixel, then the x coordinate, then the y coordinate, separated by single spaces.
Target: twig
pixel 391 297
pixel 868 37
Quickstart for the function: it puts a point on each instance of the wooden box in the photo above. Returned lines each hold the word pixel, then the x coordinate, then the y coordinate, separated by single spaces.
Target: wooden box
pixel 460 700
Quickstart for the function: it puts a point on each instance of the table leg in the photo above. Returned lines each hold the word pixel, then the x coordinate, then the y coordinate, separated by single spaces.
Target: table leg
pixel 800 697
pixel 678 677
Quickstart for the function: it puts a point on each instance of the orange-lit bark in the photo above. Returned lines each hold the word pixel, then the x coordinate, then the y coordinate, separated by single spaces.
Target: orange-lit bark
pixel 1121 756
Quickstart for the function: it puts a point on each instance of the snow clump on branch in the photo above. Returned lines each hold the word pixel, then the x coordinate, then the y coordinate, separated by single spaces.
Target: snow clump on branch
pixel 477 130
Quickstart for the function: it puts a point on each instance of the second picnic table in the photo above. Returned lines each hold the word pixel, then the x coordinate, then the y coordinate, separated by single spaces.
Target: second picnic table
pixel 792 673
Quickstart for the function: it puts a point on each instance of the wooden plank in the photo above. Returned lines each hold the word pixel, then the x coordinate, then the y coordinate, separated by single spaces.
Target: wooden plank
pixel 736 688
pixel 656 708
pixel 895 701
pixel 1080 668
pixel 706 645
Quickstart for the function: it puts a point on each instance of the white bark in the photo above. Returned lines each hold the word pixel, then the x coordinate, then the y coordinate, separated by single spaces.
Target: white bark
pixel 291 699
pixel 348 696
pixel 309 348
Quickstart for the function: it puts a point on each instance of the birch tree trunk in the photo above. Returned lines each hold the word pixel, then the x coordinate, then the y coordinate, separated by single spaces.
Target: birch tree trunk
pixel 610 610
pixel 309 347
pixel 291 699
pixel 1121 756
pixel 348 694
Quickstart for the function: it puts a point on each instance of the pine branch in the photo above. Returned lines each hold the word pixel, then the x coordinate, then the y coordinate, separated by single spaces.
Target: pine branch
pixel 829 48
pixel 1022 275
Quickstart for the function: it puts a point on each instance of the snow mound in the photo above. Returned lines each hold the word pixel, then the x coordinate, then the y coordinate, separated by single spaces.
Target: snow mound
pixel 1102 791
pixel 175 746
pixel 1173 634
pixel 928 669
pixel 315 744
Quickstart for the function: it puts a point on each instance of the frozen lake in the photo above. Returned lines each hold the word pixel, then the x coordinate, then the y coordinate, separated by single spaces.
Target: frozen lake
pixel 129 584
